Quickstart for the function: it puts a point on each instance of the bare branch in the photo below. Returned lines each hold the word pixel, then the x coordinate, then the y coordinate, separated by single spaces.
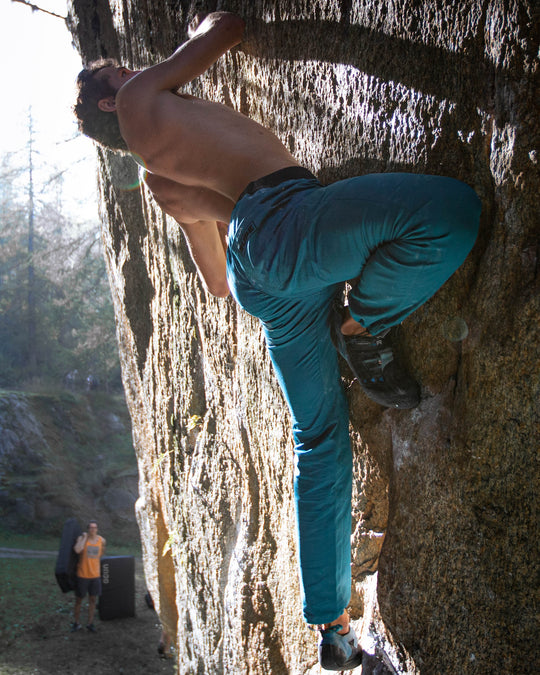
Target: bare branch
pixel 35 8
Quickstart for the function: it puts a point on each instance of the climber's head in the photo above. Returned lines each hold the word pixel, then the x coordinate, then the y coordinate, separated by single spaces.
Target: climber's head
pixel 95 109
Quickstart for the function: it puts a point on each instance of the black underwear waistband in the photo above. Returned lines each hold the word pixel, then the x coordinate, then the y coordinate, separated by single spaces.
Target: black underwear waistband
pixel 277 177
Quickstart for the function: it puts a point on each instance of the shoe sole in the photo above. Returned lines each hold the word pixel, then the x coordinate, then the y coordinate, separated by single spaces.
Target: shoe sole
pixel 405 402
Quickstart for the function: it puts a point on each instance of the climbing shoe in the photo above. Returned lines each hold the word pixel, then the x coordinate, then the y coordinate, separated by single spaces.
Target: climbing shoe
pixel 373 362
pixel 75 627
pixel 91 628
pixel 339 652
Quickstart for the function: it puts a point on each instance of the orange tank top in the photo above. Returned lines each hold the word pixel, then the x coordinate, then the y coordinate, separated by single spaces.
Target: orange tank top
pixel 88 567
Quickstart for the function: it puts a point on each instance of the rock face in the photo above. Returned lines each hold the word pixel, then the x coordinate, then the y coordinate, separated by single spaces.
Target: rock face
pixel 65 455
pixel 351 87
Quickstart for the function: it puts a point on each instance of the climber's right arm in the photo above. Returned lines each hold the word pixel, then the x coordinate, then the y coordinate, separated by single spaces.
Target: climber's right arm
pixel 189 203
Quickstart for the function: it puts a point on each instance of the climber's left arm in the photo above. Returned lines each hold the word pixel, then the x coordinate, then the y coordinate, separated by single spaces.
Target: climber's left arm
pixel 200 212
pixel 213 37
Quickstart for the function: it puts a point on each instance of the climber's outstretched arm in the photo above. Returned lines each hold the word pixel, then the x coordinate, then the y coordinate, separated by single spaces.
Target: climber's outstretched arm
pixel 213 37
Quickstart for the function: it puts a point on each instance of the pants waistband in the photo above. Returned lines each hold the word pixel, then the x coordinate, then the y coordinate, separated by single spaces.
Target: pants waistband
pixel 277 177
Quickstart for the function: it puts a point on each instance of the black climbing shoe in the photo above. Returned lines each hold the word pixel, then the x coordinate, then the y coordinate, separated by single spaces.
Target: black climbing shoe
pixel 91 628
pixel 339 652
pixel 374 364
pixel 75 627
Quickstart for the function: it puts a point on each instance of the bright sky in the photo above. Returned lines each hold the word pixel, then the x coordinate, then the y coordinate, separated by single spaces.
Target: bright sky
pixel 38 69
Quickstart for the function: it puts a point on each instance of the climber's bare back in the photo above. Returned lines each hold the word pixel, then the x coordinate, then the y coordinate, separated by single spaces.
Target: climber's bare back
pixel 206 148
pixel 197 142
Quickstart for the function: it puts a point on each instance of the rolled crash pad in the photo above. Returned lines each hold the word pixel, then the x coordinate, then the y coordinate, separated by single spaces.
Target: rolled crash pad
pixel 66 561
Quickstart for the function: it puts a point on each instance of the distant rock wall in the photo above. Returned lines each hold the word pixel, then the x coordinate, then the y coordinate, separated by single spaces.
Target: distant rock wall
pixel 443 87
pixel 62 456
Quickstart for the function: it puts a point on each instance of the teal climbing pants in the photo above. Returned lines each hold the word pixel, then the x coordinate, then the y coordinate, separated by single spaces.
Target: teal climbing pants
pixel 292 244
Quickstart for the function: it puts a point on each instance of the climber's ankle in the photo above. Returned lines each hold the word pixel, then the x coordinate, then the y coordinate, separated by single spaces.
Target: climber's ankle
pixel 342 620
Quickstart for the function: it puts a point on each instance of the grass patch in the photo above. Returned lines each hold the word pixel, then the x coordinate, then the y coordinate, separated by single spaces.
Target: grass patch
pixel 31 598
pixel 29 594
pixel 133 549
pixel 35 635
pixel 33 542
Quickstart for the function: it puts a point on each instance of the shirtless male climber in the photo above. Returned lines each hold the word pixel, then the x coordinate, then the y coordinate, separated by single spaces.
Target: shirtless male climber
pixel 292 244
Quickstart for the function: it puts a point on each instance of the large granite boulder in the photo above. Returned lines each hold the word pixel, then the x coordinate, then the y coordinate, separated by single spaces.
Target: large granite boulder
pixel 445 87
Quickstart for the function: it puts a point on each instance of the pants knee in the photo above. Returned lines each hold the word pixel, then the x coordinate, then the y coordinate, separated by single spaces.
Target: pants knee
pixel 463 209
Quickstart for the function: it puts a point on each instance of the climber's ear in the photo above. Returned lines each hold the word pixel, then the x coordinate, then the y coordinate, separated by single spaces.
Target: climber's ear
pixel 107 104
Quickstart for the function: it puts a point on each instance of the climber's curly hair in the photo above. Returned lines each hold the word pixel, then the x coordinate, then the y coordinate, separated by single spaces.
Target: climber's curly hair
pixel 101 126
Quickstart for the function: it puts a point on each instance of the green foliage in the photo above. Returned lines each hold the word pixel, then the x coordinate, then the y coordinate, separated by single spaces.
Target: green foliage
pixel 74 319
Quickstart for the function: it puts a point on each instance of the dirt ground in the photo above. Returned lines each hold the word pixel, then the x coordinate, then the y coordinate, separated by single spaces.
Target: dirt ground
pixel 126 646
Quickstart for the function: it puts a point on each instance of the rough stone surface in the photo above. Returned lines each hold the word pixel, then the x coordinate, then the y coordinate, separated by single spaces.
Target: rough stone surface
pixel 351 87
pixel 49 468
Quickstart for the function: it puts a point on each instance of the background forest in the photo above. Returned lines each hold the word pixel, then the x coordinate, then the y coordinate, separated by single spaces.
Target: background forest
pixel 56 316
pixel 64 451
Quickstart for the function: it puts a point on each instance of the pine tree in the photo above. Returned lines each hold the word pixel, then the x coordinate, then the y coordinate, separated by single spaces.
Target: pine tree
pixel 56 313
